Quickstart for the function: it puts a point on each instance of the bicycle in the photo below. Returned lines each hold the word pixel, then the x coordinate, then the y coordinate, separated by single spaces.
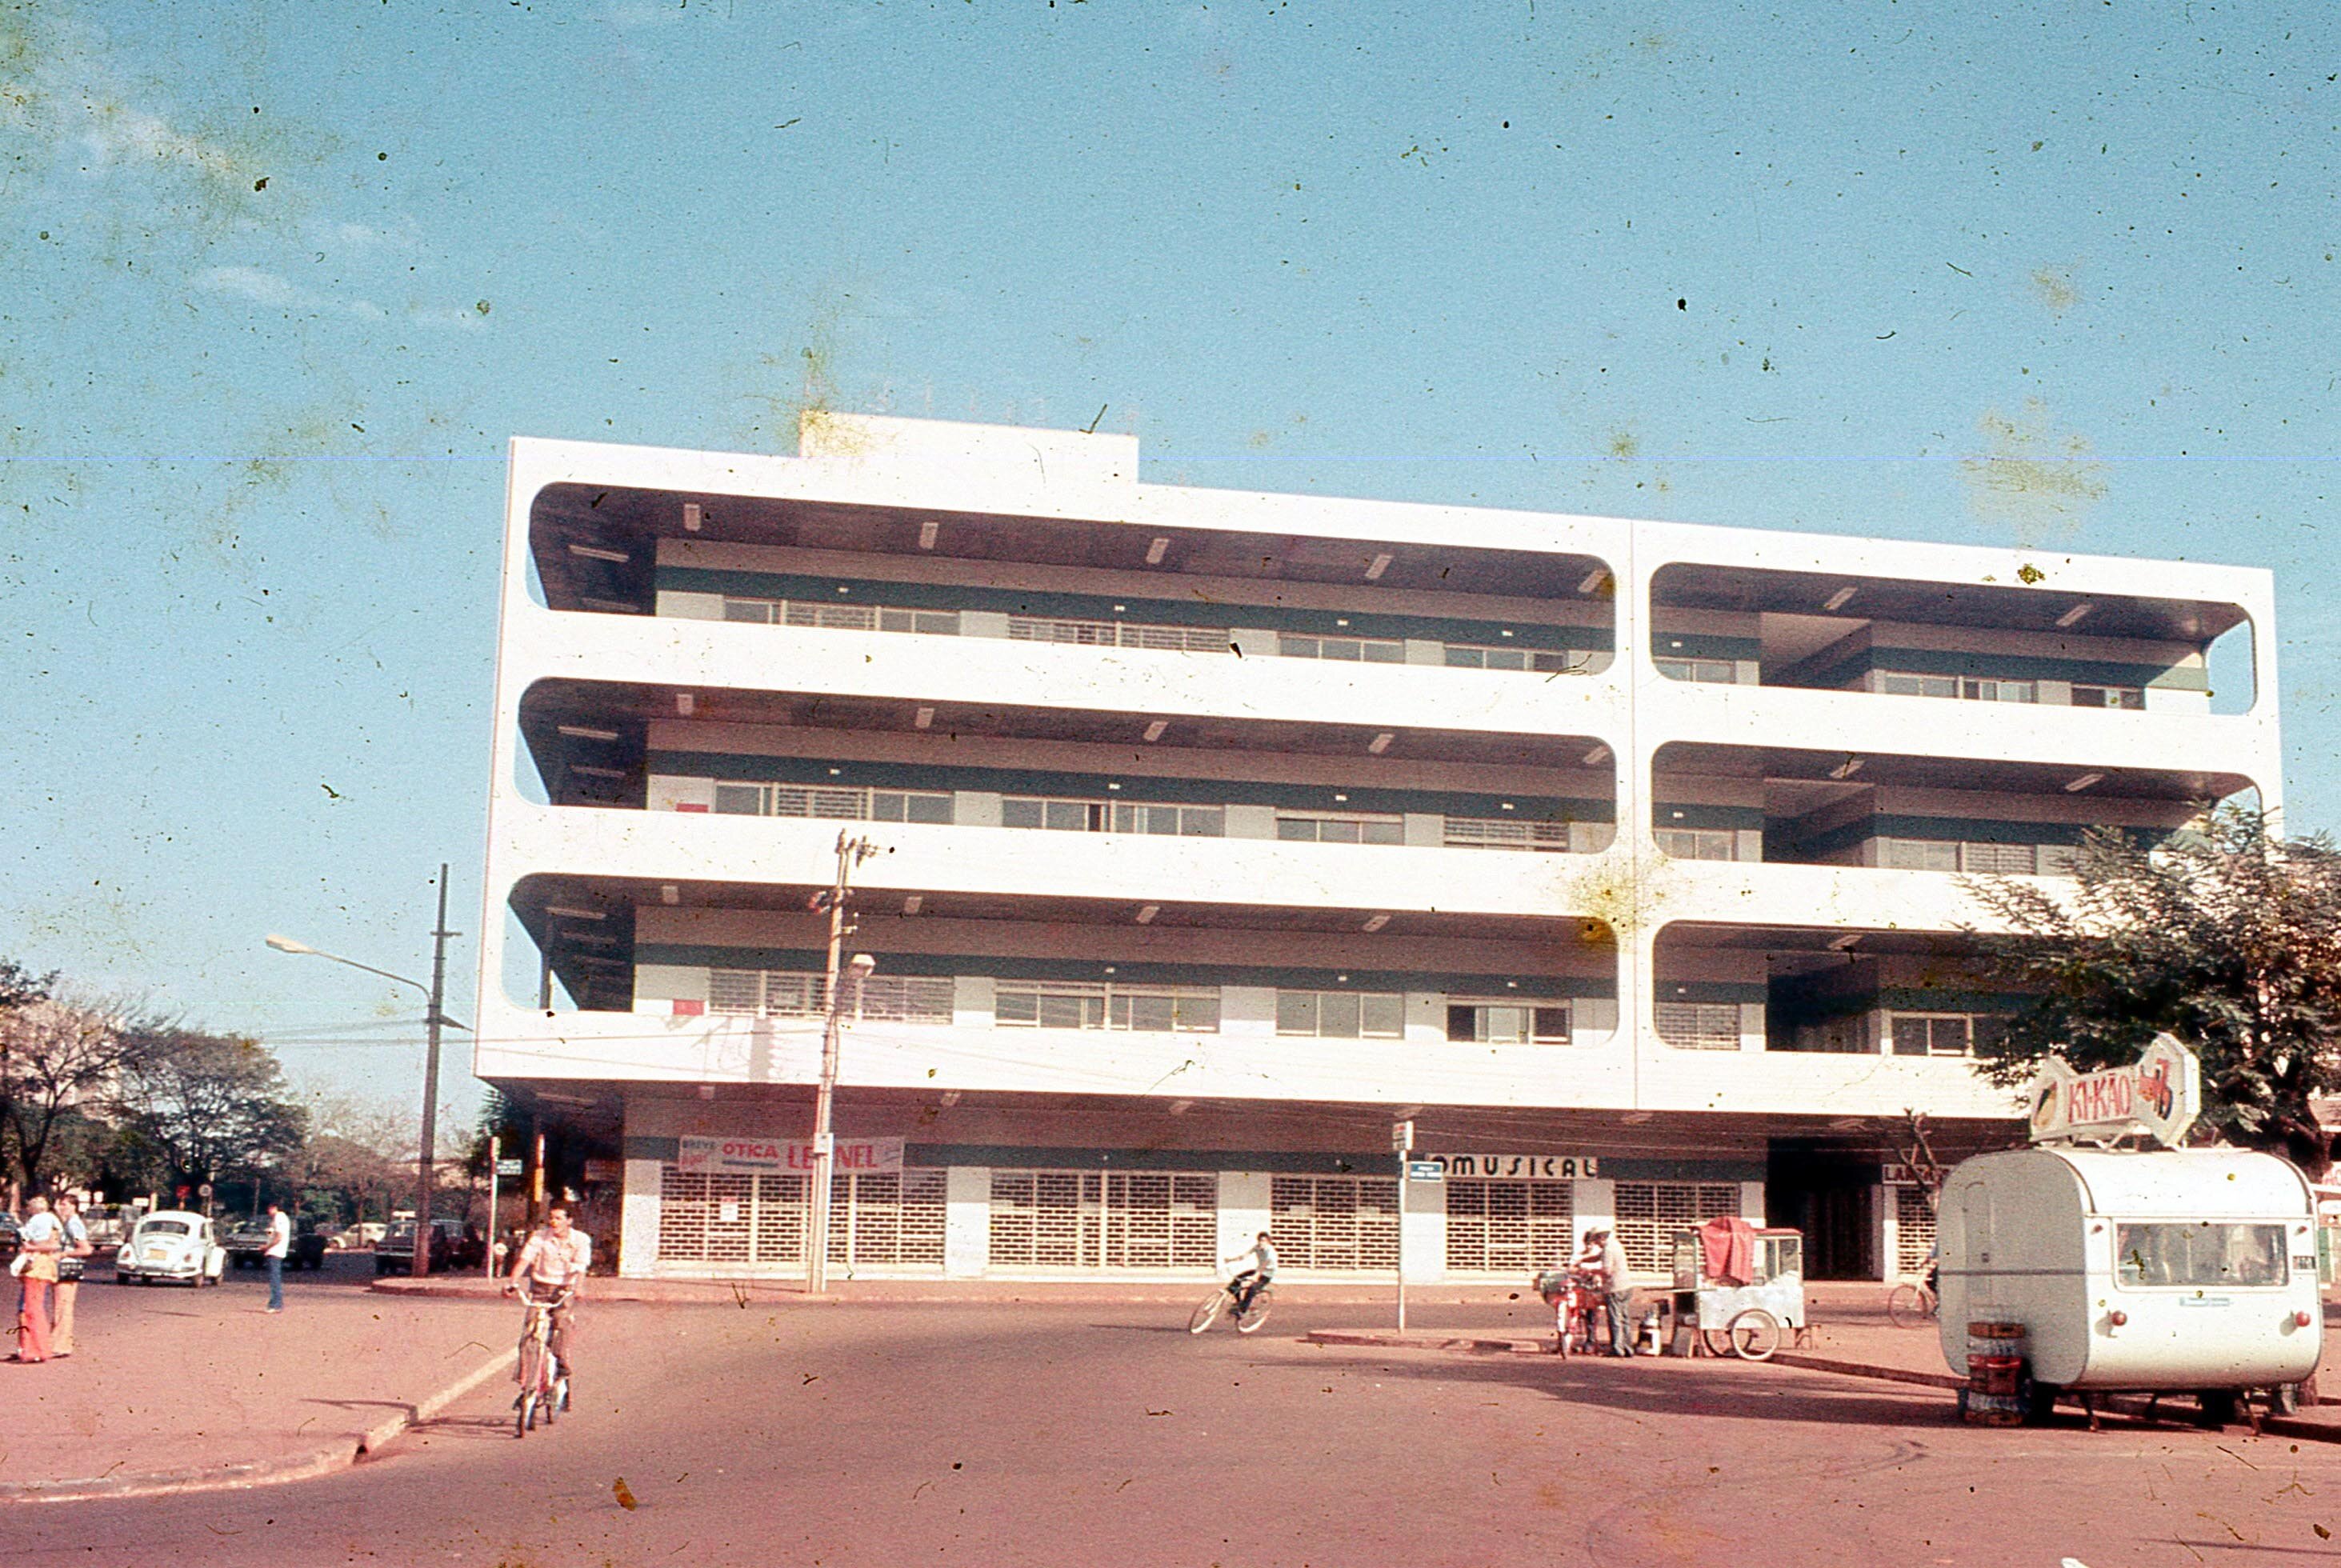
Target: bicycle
pixel 1912 1305
pixel 1248 1319
pixel 540 1393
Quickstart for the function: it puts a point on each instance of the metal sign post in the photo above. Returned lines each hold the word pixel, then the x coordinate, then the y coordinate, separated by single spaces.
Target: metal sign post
pixel 495 1168
pixel 1402 1144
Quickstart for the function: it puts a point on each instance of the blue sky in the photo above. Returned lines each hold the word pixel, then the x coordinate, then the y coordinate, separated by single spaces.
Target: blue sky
pixel 1796 267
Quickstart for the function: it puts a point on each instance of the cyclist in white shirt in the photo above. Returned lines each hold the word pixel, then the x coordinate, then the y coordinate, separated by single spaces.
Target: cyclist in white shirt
pixel 1251 1281
pixel 551 1266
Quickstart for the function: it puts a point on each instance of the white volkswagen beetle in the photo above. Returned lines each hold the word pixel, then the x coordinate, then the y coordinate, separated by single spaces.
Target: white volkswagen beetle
pixel 171 1244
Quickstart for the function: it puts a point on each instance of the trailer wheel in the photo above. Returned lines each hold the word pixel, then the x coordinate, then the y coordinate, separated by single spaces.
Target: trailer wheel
pixel 2040 1401
pixel 1755 1334
pixel 2219 1406
pixel 2284 1399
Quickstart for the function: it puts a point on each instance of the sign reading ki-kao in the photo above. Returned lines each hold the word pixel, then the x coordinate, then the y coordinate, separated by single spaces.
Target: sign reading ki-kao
pixel 2159 1095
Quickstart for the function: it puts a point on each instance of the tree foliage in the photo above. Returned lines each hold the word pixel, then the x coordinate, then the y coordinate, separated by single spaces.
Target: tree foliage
pixel 59 1062
pixel 204 1106
pixel 2224 934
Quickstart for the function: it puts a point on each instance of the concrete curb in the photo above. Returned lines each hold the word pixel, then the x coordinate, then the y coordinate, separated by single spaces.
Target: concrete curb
pixel 320 1461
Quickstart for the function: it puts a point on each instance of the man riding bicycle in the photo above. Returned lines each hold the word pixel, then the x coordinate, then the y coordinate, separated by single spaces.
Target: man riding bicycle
pixel 1251 1281
pixel 551 1268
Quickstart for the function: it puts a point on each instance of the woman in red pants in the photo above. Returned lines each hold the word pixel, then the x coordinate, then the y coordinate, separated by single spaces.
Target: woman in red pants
pixel 39 1241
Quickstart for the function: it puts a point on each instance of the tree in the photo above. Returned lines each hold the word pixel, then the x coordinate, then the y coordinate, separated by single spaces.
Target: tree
pixel 59 1061
pixel 208 1106
pixel 2224 934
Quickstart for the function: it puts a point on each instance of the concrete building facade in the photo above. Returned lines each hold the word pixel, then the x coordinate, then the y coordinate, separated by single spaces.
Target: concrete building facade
pixel 1630 861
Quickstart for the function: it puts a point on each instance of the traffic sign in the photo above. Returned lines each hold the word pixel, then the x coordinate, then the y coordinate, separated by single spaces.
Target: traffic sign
pixel 508 1167
pixel 1425 1170
pixel 1402 1136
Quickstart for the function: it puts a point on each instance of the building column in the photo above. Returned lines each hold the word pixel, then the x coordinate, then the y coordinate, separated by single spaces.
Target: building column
pixel 1244 1210
pixel 967 1221
pixel 638 1220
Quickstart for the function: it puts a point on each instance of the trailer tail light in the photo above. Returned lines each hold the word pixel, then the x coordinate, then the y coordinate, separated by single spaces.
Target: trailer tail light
pixel 2301 1320
pixel 2118 1317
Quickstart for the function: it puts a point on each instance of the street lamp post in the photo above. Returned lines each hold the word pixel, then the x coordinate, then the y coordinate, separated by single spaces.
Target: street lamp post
pixel 435 991
pixel 851 852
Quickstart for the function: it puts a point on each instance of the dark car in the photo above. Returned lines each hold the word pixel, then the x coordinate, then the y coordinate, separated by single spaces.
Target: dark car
pixel 453 1247
pixel 247 1246
pixel 308 1249
pixel 8 1234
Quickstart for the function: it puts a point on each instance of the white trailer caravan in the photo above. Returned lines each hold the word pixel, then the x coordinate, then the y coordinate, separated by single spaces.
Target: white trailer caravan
pixel 2165 1269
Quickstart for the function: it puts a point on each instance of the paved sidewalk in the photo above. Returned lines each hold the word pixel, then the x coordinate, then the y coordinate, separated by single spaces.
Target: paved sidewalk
pixel 173 1389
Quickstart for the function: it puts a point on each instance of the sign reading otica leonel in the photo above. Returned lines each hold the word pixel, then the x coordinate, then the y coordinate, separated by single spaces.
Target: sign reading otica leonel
pixel 2159 1095
pixel 779 1156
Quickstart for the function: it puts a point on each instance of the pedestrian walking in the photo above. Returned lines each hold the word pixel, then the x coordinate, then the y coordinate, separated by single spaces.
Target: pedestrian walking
pixel 77 1248
pixel 37 1244
pixel 280 1244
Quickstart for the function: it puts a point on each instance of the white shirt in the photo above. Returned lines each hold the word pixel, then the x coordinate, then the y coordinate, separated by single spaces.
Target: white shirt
pixel 1613 1263
pixel 550 1260
pixel 279 1235
pixel 1262 1256
pixel 43 1227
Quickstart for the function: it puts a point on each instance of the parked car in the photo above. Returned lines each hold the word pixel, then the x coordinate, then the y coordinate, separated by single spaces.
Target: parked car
pixel 7 1235
pixel 172 1244
pixel 247 1243
pixel 365 1233
pixel 247 1246
pixel 454 1247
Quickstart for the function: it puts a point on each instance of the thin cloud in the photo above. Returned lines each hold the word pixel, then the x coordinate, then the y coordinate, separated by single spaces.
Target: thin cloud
pixel 266 288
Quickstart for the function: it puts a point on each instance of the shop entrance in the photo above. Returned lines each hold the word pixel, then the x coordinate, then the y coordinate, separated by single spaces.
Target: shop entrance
pixel 1831 1196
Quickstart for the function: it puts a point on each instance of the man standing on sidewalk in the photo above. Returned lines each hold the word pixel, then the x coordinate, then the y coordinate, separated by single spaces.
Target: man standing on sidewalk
pixel 280 1243
pixel 1620 1300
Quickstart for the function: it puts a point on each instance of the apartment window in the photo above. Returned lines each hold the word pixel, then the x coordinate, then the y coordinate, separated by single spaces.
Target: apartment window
pixel 1699 1026
pixel 1941 1034
pixel 1722 671
pixel 1508 1023
pixel 1342 1015
pixel 1503 833
pixel 1355 649
pixel 1464 656
pixel 1118 634
pixel 799 994
pixel 1333 829
pixel 1135 1009
pixel 1974 858
pixel 852 805
pixel 841 617
pixel 1896 683
pixel 2130 697
pixel 1698 843
pixel 1066 816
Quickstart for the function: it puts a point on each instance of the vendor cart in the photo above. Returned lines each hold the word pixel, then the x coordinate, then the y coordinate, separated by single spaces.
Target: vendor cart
pixel 1723 1316
pixel 1575 1299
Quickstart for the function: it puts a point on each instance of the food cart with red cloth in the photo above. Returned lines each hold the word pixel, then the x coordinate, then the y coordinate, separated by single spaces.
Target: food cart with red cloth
pixel 1739 1288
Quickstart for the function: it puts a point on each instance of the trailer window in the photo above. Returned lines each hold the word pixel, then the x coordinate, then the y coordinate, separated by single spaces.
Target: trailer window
pixel 2201 1253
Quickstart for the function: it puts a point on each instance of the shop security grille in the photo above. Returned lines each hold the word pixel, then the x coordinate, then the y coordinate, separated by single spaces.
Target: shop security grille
pixel 1509 1226
pixel 1117 1220
pixel 1914 1230
pixel 729 1218
pixel 1334 1222
pixel 892 1219
pixel 1650 1212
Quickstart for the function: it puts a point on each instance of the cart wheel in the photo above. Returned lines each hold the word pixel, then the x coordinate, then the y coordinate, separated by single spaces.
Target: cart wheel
pixel 1717 1340
pixel 1755 1334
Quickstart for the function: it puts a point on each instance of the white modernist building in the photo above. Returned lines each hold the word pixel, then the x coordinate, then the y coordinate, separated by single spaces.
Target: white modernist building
pixel 1629 861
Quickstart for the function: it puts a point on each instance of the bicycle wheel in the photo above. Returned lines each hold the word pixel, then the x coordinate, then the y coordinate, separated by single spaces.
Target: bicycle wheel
pixel 532 1380
pixel 1906 1307
pixel 1255 1314
pixel 1755 1334
pixel 1208 1313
